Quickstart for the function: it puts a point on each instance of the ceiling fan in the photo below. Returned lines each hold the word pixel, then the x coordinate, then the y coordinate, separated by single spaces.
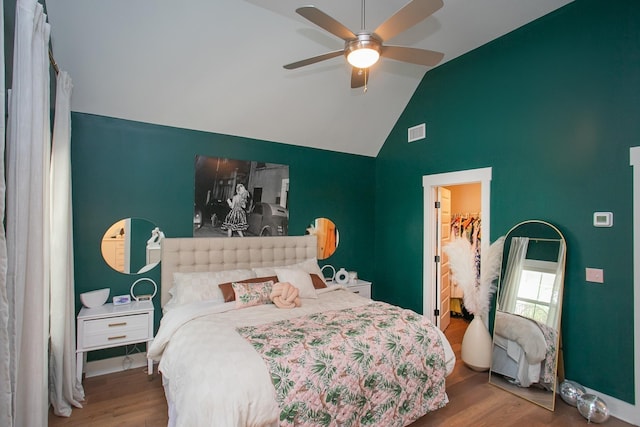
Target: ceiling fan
pixel 363 49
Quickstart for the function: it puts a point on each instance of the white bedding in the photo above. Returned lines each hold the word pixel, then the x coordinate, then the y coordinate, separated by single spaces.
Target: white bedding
pixel 201 353
pixel 523 331
pixel 510 359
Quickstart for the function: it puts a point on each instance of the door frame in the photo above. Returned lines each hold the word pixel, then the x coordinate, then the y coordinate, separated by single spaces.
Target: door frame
pixel 627 411
pixel 430 184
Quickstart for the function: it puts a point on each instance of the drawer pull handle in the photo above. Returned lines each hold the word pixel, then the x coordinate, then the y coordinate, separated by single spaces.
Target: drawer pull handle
pixel 119 337
pixel 118 324
pixel 356 292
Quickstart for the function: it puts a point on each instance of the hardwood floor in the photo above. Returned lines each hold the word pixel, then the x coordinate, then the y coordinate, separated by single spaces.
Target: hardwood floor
pixel 475 402
pixel 124 399
pixel 131 399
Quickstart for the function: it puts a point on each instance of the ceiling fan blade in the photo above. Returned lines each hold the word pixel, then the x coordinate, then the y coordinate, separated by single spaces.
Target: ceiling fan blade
pixel 323 20
pixel 359 77
pixel 410 14
pixel 313 60
pixel 412 55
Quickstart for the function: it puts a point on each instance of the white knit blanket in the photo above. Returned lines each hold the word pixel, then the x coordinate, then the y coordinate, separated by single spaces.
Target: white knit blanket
pixel 523 331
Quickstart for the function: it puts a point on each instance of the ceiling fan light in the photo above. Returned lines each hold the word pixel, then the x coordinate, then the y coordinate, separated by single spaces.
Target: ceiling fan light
pixel 363 57
pixel 363 51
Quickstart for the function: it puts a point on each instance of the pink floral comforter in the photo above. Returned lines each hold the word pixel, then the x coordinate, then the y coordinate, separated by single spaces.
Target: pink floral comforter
pixel 548 368
pixel 376 364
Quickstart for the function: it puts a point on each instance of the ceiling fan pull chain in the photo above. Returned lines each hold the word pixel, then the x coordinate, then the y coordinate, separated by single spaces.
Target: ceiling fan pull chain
pixel 365 75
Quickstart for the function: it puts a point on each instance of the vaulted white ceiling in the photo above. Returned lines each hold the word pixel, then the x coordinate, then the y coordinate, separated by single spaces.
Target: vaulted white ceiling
pixel 216 65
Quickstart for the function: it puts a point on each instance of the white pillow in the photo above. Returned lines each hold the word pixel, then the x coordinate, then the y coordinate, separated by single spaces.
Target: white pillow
pixel 266 271
pixel 233 275
pixel 309 265
pixel 298 278
pixel 203 285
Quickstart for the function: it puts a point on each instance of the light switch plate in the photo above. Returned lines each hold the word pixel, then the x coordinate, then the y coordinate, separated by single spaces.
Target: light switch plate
pixel 595 275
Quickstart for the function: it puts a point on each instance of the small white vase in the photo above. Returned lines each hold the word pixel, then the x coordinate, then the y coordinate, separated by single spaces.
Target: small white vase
pixel 477 346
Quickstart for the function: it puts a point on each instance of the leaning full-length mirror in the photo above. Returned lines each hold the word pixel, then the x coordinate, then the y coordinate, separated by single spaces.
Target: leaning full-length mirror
pixel 132 245
pixel 526 331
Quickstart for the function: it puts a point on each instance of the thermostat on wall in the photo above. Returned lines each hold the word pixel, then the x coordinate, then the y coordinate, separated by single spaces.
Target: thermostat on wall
pixel 603 219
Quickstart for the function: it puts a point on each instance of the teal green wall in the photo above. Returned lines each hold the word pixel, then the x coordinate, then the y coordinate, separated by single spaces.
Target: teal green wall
pixel 553 108
pixel 9 13
pixel 123 169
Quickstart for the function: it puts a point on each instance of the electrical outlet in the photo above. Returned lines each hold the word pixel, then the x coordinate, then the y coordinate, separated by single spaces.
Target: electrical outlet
pixel 595 275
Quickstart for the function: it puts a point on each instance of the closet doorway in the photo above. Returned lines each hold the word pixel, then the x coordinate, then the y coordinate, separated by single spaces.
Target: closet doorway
pixel 459 215
pixel 471 188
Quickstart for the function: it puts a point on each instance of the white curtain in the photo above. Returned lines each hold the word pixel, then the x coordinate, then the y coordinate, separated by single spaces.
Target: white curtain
pixel 64 389
pixel 24 313
pixel 510 284
pixel 553 320
pixel 5 354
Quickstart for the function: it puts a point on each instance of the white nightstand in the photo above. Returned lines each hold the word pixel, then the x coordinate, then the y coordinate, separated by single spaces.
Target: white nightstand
pixel 113 326
pixel 360 287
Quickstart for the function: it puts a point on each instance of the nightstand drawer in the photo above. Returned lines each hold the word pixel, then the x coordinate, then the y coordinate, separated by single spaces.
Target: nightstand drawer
pixel 359 286
pixel 109 324
pixel 362 290
pixel 115 330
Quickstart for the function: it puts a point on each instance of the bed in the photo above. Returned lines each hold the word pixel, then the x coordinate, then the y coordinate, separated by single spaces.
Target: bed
pixel 524 350
pixel 336 359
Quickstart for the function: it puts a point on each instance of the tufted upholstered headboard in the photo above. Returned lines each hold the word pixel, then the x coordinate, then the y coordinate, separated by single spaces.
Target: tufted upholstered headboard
pixel 188 254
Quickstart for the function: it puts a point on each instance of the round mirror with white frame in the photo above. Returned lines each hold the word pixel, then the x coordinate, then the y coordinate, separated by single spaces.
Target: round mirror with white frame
pixel 132 245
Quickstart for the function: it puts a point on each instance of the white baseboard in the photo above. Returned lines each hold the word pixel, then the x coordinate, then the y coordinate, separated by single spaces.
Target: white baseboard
pixel 618 408
pixel 115 364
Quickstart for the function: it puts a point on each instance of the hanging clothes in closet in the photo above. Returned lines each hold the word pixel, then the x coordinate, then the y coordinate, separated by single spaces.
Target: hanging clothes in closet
pixel 468 226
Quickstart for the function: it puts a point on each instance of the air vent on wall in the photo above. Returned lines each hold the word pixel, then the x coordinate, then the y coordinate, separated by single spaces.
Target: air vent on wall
pixel 417 132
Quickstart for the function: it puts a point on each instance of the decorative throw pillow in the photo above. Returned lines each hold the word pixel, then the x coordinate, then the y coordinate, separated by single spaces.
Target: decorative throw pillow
pixel 298 278
pixel 227 288
pixel 317 281
pixel 203 285
pixel 250 294
pixel 309 265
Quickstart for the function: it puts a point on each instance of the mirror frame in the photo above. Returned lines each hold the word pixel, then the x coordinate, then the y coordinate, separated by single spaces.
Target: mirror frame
pixel 112 248
pixel 542 231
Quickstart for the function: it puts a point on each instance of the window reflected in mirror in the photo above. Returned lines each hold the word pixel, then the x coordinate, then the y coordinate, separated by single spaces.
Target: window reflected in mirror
pixel 328 237
pixel 132 245
pixel 535 292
